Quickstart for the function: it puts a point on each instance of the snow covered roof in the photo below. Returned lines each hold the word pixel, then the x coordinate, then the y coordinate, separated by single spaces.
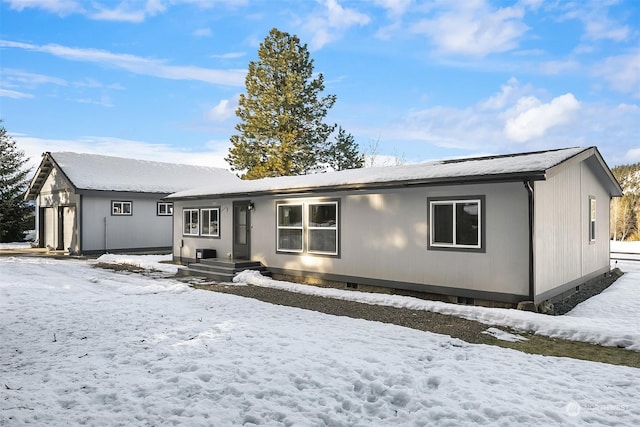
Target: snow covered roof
pixel 106 173
pixel 533 165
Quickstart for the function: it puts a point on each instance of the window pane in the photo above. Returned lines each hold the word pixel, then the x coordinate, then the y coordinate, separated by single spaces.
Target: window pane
pixel 205 222
pixel 442 223
pixel 116 208
pixel 467 224
pixel 322 241
pixel 322 215
pixel 290 240
pixel 186 222
pixel 126 208
pixel 290 216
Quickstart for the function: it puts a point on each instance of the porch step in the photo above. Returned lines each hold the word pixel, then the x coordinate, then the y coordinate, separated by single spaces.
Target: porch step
pixel 222 269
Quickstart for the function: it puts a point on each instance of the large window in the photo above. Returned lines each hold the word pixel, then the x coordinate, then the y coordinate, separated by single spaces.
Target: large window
pixel 191 222
pixel 456 223
pixel 592 219
pixel 290 229
pixel 165 209
pixel 209 222
pixel 121 208
pixel 309 227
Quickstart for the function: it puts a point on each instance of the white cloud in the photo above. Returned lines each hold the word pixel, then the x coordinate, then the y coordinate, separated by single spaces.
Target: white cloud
pixel 500 99
pixel 473 28
pixel 530 118
pixel 60 7
pixel 136 64
pixel 7 93
pixel 622 72
pixel 329 25
pixel 29 79
pixel 34 147
pixel 224 110
pixel 395 8
pixel 557 122
pixel 202 32
pixel 229 55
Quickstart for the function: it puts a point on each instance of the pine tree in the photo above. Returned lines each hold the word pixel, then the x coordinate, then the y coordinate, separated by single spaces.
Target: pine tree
pixel 13 182
pixel 344 153
pixel 281 130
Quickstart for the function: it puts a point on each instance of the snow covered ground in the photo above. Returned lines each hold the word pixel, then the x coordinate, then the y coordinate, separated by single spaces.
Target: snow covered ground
pixel 85 346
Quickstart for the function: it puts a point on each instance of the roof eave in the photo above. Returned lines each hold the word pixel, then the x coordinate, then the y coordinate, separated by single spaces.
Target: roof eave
pixel 473 179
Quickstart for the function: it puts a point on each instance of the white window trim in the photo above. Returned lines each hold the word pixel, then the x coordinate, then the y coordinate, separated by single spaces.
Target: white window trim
pixel 310 228
pixel 197 230
pixel 168 209
pixel 289 227
pixel 454 202
pixel 122 203
pixel 201 221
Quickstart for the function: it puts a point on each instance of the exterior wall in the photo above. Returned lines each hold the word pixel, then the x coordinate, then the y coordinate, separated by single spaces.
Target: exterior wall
pixel 57 193
pixel 383 236
pixel 563 251
pixel 102 231
pixel 184 247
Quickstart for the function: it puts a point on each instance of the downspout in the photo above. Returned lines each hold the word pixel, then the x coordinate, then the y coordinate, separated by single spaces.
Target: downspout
pixel 106 247
pixel 529 187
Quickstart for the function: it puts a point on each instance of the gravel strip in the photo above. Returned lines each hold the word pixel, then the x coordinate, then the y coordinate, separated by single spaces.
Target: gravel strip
pixel 467 330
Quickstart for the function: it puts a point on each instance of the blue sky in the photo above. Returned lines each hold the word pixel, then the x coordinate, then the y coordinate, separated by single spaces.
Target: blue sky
pixel 414 80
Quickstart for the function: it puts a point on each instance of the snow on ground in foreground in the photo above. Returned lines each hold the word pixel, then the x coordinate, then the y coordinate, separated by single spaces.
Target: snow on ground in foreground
pixel 155 262
pixel 610 318
pixel 96 347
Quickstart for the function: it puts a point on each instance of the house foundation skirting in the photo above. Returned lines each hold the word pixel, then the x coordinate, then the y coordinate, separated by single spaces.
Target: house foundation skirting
pixel 440 293
pixel 562 291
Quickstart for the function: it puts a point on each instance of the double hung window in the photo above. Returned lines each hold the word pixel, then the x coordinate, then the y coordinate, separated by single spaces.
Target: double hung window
pixel 456 223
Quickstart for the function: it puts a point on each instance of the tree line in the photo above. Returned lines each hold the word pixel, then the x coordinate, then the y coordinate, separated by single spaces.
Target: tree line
pixel 625 210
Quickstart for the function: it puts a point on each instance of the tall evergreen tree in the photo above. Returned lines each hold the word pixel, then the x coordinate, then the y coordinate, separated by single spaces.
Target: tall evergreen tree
pixel 13 182
pixel 281 129
pixel 344 153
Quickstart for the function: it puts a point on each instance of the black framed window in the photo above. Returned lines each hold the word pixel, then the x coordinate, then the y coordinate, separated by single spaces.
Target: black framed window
pixel 164 209
pixel 119 208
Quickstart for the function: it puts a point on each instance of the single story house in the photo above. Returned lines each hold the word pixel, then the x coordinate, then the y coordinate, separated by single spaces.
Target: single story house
pixel 507 228
pixel 88 203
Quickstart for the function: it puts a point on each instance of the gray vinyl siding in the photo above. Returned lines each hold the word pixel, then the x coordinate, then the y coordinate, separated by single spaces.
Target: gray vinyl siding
pixel 563 252
pixel 383 235
pixel 143 229
pixel 223 244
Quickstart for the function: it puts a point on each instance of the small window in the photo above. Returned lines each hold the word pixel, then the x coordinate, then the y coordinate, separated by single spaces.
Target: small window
pixel 191 225
pixel 121 208
pixel 455 224
pixel 592 219
pixel 290 229
pixel 165 209
pixel 323 228
pixel 210 222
